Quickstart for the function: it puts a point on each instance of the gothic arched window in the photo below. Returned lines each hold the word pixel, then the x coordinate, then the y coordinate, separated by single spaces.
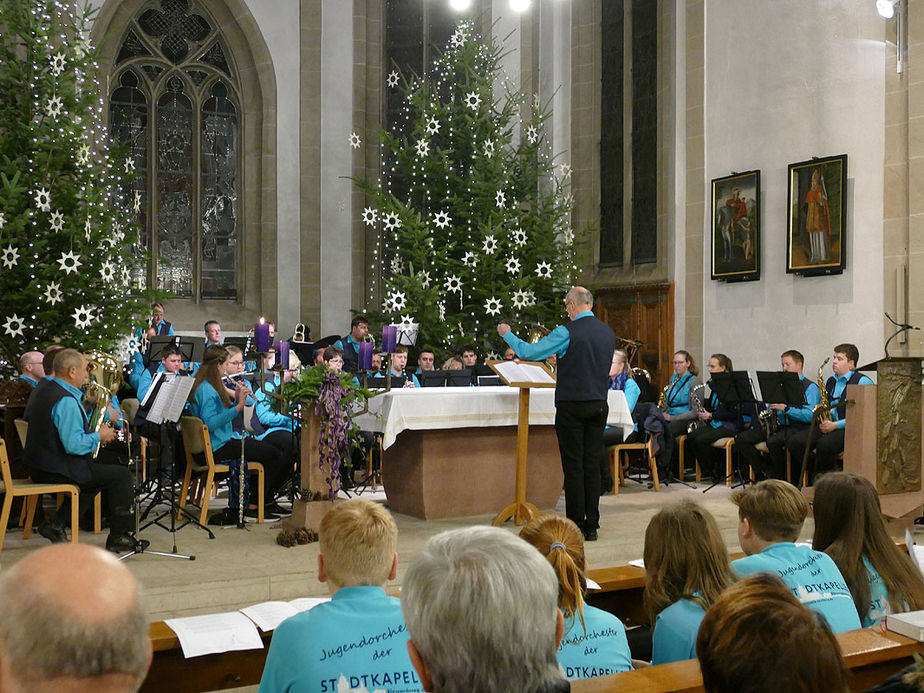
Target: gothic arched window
pixel 174 101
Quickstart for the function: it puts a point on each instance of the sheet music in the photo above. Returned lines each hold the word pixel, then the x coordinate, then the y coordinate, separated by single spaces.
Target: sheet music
pixel 213 633
pixel 268 615
pixel 523 372
pixel 171 399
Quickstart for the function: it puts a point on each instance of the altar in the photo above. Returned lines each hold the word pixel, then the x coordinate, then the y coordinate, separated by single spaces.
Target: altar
pixel 451 452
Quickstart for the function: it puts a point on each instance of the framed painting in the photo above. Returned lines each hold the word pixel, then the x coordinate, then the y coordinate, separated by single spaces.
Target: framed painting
pixel 736 227
pixel 816 238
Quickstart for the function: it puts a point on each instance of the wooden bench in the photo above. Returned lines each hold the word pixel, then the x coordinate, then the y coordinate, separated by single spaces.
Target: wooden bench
pixel 871 655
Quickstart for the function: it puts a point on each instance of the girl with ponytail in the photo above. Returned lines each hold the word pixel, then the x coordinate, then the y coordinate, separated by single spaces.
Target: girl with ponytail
pixel 595 642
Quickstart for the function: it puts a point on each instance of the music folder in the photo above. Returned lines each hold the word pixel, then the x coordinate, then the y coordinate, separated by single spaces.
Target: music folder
pixel 168 395
pixel 781 387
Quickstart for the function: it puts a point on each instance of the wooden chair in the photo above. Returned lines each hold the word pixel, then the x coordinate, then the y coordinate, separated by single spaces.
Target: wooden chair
pixel 618 465
pixel 11 488
pixel 727 444
pixel 196 440
pixel 679 442
pixel 28 508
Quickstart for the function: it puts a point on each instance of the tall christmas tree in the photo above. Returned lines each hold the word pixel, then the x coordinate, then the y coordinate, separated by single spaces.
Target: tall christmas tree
pixel 472 212
pixel 69 254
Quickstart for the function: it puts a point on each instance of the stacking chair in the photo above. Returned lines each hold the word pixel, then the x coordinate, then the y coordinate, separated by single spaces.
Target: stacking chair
pixel 196 440
pixel 727 444
pixel 679 442
pixel 28 508
pixel 11 488
pixel 618 464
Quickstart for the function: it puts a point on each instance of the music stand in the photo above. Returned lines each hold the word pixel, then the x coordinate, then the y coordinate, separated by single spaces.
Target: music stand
pixel 304 351
pixel 378 382
pixel 433 378
pixel 459 378
pixel 192 348
pixel 732 388
pixel 781 387
pixel 489 380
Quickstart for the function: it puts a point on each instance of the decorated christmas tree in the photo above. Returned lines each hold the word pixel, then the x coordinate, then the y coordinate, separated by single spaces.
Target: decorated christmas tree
pixel 70 260
pixel 472 212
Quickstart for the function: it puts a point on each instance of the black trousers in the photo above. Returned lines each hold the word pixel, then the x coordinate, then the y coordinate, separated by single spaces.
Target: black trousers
pixel 745 444
pixel 275 467
pixel 115 480
pixel 579 427
pixel 827 447
pixel 711 460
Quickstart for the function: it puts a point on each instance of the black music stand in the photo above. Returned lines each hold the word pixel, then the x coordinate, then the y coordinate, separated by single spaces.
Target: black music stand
pixel 732 388
pixel 459 378
pixel 192 348
pixel 781 387
pixel 304 351
pixel 433 378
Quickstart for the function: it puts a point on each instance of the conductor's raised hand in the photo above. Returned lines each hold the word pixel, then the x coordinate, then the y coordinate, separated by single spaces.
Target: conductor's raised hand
pixel 503 328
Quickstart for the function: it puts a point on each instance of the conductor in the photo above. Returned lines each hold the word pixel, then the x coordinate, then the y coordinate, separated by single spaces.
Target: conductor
pixel 585 351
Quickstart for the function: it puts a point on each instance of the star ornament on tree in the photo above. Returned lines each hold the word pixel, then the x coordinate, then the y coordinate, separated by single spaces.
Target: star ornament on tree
pixel 470 259
pixel 472 100
pixel 42 200
pixel 442 308
pixel 433 126
pixel 129 165
pixel 83 317
pixel 565 170
pixel 57 221
pixel 398 301
pixel 489 245
pixel 10 257
pixel 107 271
pixel 544 270
pixel 355 141
pixel 521 299
pixel 423 148
pixel 406 321
pixel 453 285
pixel 57 64
pixel 83 155
pixel 492 306
pixel 519 237
pixel 2 221
pixel 53 106
pixel 441 219
pixel 397 265
pixel 392 80
pixel 14 326
pixel 532 134
pixel 489 147
pixel 500 199
pixel 53 293
pixel 424 278
pixel 88 228
pixel 69 262
pixel 392 221
pixel 369 216
pixel 136 204
pixel 513 265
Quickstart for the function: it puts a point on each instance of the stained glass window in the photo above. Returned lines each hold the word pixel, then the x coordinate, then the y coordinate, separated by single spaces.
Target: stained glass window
pixel 174 102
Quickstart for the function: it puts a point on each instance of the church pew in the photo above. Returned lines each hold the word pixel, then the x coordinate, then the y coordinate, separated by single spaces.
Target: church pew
pixel 871 655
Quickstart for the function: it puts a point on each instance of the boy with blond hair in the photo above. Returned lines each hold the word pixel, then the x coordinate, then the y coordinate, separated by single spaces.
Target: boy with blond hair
pixel 770 517
pixel 359 635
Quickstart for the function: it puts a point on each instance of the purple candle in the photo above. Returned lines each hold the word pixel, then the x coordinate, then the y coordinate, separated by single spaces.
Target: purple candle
pixel 261 336
pixel 389 338
pixel 365 356
pixel 282 355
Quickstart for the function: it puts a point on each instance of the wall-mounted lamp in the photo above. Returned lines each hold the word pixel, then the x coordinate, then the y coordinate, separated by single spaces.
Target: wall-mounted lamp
pixel 460 5
pixel 895 8
pixel 520 5
pixel 885 8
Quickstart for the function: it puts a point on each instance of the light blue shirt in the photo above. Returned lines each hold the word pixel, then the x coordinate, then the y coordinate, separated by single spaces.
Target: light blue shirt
pixel 141 378
pixel 71 420
pixel 599 650
pixel 409 376
pixel 675 630
pixel 840 384
pixel 359 633
pixel 555 342
pixel 813 578
pixel 32 381
pixel 878 597
pixel 678 395
pixel 803 414
pixel 216 416
pixel 273 421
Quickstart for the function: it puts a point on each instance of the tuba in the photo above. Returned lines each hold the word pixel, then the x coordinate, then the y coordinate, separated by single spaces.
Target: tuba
pixel 822 406
pixel 537 333
pixel 105 378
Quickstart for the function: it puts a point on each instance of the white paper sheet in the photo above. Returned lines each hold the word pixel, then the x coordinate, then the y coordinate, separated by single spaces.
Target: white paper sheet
pixel 213 633
pixel 268 615
pixel 306 603
pixel 592 585
pixel 637 562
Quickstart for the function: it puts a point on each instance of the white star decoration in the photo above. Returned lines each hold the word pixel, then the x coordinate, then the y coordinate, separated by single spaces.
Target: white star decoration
pixel 69 262
pixel 500 198
pixel 472 100
pixel 513 265
pixel 423 148
pixel 544 269
pixel 391 221
pixel 433 126
pixel 441 219
pixel 489 147
pixel 424 278
pixel 519 237
pixel 129 165
pixel 398 301
pixel 136 204
pixel 53 106
pixel 397 264
pixel 13 326
pixel 53 293
pixel 521 299
pixel 57 64
pixel 532 135
pixel 355 141
pixel 492 306
pixel 2 221
pixel 83 155
pixel 568 235
pixel 107 271
pixel 88 228
pixel 57 221
pixel 453 285
pixel 83 316
pixel 406 321
pixel 442 309
pixel 392 80
pixel 10 257
pixel 470 259
pixel 42 199
pixel 565 170
pixel 369 216
pixel 489 245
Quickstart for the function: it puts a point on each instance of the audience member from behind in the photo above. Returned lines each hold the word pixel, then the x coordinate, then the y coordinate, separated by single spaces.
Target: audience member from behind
pixel 359 634
pixel 30 367
pixel 597 645
pixel 758 638
pixel 72 622
pixel 770 517
pixel 481 608
pixel 686 568
pixel 850 529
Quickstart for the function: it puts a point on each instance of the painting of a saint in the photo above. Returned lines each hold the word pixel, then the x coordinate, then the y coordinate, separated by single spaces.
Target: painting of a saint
pixel 735 223
pixel 817 190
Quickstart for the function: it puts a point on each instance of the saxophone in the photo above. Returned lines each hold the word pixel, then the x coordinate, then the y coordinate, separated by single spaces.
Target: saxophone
pixel 697 422
pixel 662 398
pixel 826 416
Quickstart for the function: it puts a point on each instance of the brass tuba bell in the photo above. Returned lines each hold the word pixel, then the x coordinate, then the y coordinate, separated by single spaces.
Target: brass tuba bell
pixel 105 378
pixel 537 333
